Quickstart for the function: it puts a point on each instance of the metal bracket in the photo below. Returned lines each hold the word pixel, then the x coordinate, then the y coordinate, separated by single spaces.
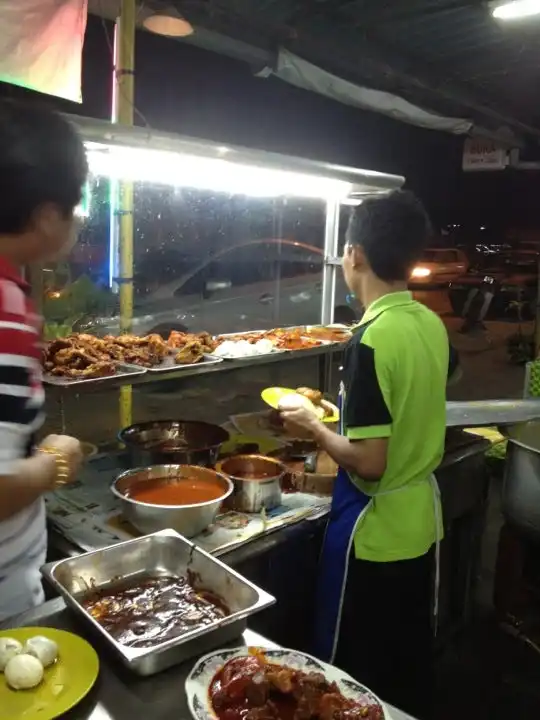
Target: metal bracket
pixel 336 261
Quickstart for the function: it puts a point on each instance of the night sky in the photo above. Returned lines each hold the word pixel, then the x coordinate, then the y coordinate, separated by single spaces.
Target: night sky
pixel 183 89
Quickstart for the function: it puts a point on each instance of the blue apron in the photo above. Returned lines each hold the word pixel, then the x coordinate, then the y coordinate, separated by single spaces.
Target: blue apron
pixel 348 503
pixel 348 506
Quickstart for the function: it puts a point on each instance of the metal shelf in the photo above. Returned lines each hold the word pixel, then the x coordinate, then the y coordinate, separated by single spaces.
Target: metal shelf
pixel 196 370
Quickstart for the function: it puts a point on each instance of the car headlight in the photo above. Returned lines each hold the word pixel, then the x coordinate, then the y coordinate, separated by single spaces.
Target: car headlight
pixel 420 272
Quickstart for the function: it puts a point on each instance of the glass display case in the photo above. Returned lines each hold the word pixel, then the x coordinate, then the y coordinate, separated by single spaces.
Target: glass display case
pixel 213 238
pixel 224 239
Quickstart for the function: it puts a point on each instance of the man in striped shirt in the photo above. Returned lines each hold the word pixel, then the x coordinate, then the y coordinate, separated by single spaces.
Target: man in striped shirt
pixel 42 172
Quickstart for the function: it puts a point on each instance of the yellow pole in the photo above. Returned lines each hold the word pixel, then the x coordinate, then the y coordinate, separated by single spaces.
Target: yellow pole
pixel 124 78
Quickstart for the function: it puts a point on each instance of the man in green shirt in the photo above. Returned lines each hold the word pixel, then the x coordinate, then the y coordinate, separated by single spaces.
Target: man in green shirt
pixel 375 585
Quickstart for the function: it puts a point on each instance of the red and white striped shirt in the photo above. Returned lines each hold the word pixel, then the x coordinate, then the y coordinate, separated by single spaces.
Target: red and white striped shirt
pixel 23 537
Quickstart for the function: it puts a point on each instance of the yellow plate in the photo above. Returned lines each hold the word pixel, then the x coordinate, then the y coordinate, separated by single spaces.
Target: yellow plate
pixel 266 444
pixel 64 684
pixel 273 395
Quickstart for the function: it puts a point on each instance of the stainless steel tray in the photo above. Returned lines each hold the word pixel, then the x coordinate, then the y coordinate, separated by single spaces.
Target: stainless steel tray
pixel 347 332
pixel 122 370
pixel 240 333
pixel 277 351
pixel 162 553
pixel 168 364
pixel 478 413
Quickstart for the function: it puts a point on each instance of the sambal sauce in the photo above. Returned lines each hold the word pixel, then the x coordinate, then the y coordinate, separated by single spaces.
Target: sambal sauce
pixel 252 688
pixel 186 491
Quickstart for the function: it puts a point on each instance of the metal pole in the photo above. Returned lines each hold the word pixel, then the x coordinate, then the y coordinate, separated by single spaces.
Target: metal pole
pixel 122 112
pixel 331 239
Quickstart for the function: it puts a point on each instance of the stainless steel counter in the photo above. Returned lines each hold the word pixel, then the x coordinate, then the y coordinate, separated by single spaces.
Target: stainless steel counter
pixel 478 413
pixel 120 695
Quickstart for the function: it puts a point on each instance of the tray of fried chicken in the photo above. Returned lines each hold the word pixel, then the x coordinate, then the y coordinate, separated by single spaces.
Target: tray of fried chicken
pixel 184 349
pixel 81 357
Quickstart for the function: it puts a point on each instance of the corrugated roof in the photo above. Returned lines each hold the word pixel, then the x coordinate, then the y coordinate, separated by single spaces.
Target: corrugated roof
pixel 466 43
pixel 450 55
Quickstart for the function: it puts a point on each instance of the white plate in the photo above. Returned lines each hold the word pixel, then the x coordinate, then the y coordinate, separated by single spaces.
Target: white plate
pixel 199 679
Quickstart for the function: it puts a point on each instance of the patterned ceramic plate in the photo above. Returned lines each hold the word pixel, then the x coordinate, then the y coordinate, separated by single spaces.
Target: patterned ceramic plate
pixel 199 679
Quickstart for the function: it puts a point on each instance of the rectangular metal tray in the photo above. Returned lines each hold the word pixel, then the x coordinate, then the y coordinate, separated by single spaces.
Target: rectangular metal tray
pixel 347 333
pixel 162 553
pixel 168 364
pixel 277 351
pixel 122 370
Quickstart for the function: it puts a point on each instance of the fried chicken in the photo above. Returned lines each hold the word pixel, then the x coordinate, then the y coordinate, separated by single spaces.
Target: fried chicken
pixel 191 353
pixel 93 370
pixel 84 356
pixel 314 395
pixel 178 339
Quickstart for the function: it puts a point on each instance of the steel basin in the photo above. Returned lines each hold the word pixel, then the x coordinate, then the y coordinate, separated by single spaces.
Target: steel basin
pixel 179 442
pixel 521 490
pixel 188 520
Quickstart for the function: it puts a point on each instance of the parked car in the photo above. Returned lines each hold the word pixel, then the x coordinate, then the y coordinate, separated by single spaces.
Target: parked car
pixel 514 285
pixel 437 267
pixel 256 284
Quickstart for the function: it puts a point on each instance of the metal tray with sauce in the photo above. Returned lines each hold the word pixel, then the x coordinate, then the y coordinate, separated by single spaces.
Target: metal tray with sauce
pixel 165 553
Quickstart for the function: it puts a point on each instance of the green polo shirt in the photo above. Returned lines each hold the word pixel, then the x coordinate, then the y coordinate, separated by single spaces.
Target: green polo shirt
pixel 395 375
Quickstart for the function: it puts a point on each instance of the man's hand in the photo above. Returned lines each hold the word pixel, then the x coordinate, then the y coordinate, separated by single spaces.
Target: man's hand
pixel 302 423
pixel 367 458
pixel 69 447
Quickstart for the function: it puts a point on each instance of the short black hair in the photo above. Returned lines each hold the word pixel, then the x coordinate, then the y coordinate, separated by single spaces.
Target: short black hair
pixel 42 160
pixel 392 230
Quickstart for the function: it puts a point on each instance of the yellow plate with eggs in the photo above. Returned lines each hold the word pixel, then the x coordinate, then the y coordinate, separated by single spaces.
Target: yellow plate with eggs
pixel 64 684
pixel 273 395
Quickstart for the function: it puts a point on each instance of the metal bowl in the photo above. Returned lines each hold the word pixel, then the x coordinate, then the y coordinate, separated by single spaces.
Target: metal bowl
pixel 257 482
pixel 188 520
pixel 179 442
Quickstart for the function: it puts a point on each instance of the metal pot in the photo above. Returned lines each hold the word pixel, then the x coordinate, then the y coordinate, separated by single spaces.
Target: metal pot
pixel 257 482
pixel 180 442
pixel 188 520
pixel 521 491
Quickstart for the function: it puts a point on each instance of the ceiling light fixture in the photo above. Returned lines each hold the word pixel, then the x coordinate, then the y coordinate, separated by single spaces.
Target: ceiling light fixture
pixel 516 9
pixel 169 25
pixel 205 173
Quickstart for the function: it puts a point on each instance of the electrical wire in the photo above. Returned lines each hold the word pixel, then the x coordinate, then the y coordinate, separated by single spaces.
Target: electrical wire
pixel 110 47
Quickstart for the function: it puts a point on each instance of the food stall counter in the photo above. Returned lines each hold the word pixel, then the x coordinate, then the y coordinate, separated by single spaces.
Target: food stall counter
pixel 121 695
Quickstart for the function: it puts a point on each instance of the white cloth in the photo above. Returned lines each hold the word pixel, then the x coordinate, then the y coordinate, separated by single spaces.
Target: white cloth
pixel 23 590
pixel 41 44
pixel 307 76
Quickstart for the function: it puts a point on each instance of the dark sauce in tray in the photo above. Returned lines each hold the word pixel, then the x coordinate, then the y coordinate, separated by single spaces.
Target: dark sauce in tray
pixel 153 610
